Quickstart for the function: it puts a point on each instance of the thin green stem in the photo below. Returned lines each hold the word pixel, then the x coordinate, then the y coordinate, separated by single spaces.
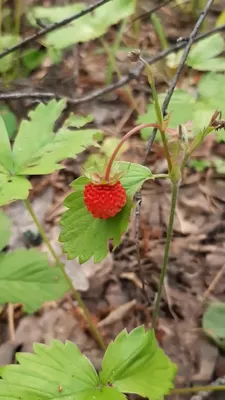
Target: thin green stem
pixel 18 14
pixel 111 52
pixel 111 56
pixel 198 389
pixel 161 176
pixel 166 252
pixel 166 150
pixel 76 294
pixel 123 140
pixel 159 31
pixel 1 20
pixel 158 112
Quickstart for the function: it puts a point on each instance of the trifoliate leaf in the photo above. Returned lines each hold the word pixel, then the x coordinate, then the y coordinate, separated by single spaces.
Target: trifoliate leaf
pixel 5 226
pixel 84 236
pixel 37 150
pixel 134 177
pixel 134 363
pixel 214 323
pixel 78 121
pixel 9 119
pixel 53 372
pixel 202 55
pixel 13 188
pixel 36 134
pixel 25 277
pixel 66 143
pixel 89 27
pixel 6 159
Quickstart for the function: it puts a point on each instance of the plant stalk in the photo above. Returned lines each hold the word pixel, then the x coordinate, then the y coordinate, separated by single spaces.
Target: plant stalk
pixel 198 389
pixel 113 67
pixel 166 252
pixel 125 137
pixel 158 111
pixel 96 334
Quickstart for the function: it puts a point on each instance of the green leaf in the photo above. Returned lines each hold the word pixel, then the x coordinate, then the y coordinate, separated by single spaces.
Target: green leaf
pixel 5 149
pixel 13 188
pixel 134 363
pixel 214 323
pixel 7 41
pixel 32 58
pixel 210 98
pixel 66 143
pixel 181 106
pixel 53 372
pixel 219 165
pixel 5 230
pixel 37 150
pixel 25 277
pixel 9 119
pixel 214 65
pixel 209 88
pixel 84 236
pixel 199 165
pixel 221 19
pixel 202 55
pixel 78 121
pixel 89 27
pixel 35 134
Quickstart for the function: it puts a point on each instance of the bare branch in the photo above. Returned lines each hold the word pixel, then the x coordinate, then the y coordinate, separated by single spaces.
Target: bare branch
pixel 133 75
pixel 180 67
pixel 52 28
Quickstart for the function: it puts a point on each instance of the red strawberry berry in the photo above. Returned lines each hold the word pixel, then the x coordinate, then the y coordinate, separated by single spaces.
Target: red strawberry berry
pixel 104 200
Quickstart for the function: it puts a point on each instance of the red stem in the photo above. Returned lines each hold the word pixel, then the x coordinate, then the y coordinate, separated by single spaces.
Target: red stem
pixel 128 134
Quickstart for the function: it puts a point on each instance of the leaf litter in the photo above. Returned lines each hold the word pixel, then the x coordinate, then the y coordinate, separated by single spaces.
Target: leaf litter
pixel 111 289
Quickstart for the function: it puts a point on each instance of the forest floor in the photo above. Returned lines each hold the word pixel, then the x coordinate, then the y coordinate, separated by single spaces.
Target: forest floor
pixel 112 290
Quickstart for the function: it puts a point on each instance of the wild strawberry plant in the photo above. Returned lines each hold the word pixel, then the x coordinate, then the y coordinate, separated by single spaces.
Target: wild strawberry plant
pixel 99 209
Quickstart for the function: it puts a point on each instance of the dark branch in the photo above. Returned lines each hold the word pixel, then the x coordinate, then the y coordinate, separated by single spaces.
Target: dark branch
pixel 133 75
pixel 52 28
pixel 180 67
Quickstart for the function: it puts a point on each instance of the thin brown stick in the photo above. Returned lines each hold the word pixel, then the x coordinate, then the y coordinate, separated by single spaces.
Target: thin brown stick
pixel 214 282
pixel 11 324
pixel 153 10
pixel 133 75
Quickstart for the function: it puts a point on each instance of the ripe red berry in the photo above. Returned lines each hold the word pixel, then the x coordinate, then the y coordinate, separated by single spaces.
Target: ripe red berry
pixel 105 200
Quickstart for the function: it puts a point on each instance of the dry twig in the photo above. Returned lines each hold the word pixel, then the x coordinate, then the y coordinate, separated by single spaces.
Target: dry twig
pixel 133 75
